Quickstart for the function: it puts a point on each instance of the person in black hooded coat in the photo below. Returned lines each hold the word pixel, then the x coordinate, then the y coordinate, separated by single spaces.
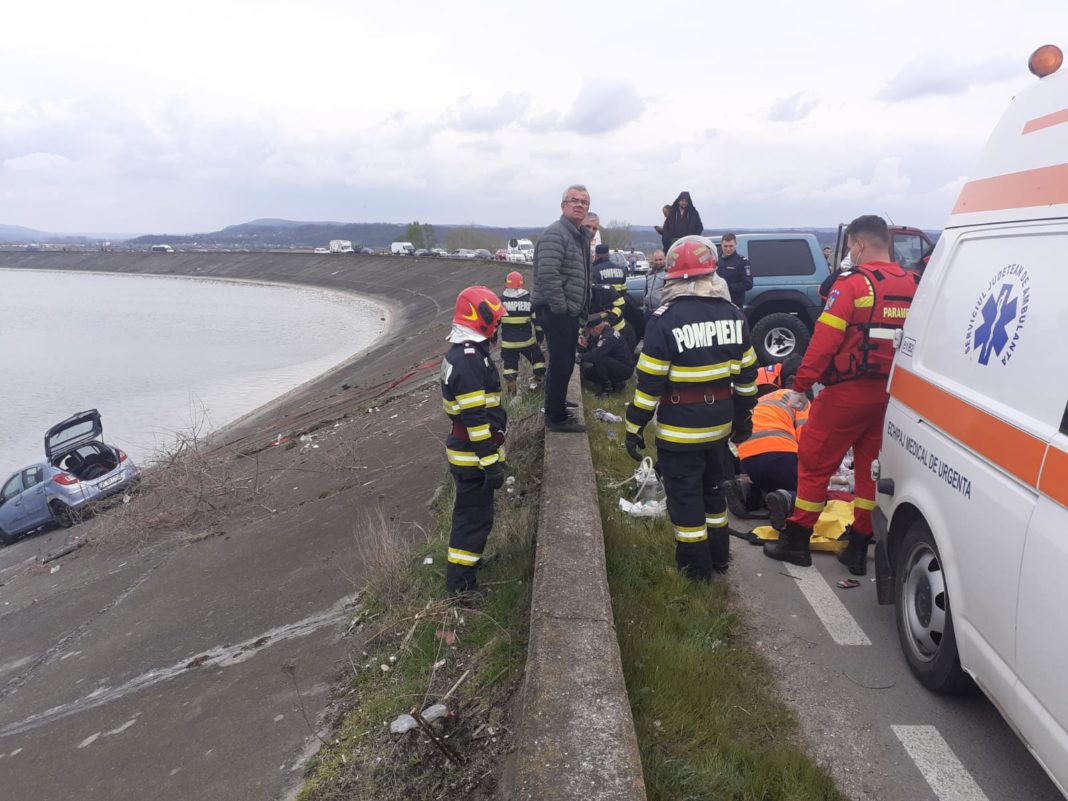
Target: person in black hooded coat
pixel 682 220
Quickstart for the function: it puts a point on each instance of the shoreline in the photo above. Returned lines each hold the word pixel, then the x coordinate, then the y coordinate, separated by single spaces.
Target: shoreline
pixel 386 313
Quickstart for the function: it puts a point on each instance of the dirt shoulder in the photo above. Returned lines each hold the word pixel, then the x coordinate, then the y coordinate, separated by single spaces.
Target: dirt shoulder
pixel 190 613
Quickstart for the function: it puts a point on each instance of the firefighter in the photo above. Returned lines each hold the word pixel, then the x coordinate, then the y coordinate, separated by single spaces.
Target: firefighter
pixel 850 354
pixel 697 373
pixel 471 394
pixel 604 357
pixel 520 333
pixel 613 279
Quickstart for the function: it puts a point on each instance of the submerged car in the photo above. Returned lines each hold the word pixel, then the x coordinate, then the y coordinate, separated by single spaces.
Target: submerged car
pixel 79 469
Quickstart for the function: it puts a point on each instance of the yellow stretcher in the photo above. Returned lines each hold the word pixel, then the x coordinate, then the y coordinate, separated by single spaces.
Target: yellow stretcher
pixel 833 520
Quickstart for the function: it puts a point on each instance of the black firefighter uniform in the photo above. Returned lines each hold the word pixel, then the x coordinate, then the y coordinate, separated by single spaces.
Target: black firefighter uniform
pixel 697 373
pixel 519 336
pixel 471 395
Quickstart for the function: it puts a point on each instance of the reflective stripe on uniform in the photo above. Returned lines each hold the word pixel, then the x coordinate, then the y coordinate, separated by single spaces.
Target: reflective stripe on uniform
pixel 863 503
pixel 691 533
pixel 478 433
pixel 486 461
pixel 809 506
pixel 620 325
pixel 834 322
pixel 513 320
pixel 745 389
pixel 715 521
pixel 450 406
pixel 692 435
pixel 510 372
pixel 462 458
pixel 633 428
pixel 493 399
pixel 538 366
pixel 882 333
pixel 470 400
pixel 749 358
pixel 643 400
pixel 701 374
pixel 771 433
pixel 525 343
pixel 461 557
pixel 652 365
pixel 866 302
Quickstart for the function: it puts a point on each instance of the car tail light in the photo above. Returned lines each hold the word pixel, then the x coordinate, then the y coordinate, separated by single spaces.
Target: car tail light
pixel 66 479
pixel 122 456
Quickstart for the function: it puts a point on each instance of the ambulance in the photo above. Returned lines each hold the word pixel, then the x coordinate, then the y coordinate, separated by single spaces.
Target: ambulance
pixel 972 476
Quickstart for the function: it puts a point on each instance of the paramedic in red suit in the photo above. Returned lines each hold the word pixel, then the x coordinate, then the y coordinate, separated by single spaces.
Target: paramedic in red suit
pixel 850 353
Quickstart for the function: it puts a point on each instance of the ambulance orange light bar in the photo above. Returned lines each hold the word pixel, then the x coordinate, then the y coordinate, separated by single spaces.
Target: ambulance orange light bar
pixel 1046 60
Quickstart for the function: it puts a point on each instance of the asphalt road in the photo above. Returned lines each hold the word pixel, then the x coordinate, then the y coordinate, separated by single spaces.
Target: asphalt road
pixel 882 734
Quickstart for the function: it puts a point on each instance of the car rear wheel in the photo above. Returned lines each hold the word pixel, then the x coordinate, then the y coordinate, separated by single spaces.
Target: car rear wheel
pixel 924 617
pixel 62 515
pixel 779 336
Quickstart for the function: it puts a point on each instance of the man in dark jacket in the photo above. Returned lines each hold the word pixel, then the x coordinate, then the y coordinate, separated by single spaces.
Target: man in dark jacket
pixel 682 220
pixel 735 270
pixel 606 360
pixel 561 300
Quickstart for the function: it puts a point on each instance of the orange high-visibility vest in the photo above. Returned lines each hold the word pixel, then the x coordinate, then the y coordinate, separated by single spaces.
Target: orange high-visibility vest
pixel 776 427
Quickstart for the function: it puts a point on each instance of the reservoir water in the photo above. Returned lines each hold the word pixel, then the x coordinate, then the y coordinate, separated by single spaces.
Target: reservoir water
pixel 157 355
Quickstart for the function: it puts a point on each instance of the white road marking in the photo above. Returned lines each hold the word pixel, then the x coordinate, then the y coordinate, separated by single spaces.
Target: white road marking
pixel 949 779
pixel 843 629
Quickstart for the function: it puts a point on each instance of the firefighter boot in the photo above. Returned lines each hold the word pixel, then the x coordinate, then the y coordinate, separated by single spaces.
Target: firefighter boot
pixel 509 386
pixel 855 554
pixel 780 505
pixel 792 545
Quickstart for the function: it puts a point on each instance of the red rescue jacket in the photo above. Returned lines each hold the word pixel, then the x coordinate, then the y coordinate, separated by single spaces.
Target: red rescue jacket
pixel 854 337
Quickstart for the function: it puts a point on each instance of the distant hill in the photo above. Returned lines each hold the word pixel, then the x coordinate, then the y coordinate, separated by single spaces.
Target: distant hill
pixel 16 233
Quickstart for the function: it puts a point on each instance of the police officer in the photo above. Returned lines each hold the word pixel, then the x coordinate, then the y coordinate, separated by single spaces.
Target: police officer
pixel 611 277
pixel 697 373
pixel 604 357
pixel 850 353
pixel 471 394
pixel 735 270
pixel 520 333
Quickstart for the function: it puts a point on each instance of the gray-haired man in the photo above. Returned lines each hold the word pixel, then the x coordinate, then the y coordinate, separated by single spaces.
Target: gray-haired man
pixel 561 294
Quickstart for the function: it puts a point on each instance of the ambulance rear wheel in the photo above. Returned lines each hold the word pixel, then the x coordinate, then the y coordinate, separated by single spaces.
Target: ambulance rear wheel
pixel 924 616
pixel 778 336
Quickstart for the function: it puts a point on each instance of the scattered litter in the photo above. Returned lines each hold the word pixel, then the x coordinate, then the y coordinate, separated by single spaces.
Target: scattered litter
pixel 611 434
pixel 403 723
pixel 650 500
pixel 606 416
pixel 509 481
pixel 448 635
pixel 385 668
pixel 428 560
pixel 848 584
pixel 439 664
pixel 55 569
pixel 434 712
pixel 126 498
pixel 281 439
pixel 393 660
pixel 394 416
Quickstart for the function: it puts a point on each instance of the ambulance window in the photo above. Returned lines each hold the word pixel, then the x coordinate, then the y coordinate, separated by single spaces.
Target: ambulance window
pixel 781 257
pixel 998 311
pixel 908 250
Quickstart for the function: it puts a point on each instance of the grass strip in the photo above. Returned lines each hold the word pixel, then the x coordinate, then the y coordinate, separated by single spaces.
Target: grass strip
pixel 402 657
pixel 709 722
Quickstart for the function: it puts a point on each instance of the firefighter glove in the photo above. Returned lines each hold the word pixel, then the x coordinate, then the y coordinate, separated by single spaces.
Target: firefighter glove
pixel 635 444
pixel 493 476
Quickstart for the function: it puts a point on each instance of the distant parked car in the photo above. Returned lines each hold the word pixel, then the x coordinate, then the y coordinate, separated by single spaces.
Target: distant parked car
pixel 501 255
pixel 78 469
pixel 482 253
pixel 440 252
pixel 322 250
pixel 462 253
pixel 367 251
pixel 421 252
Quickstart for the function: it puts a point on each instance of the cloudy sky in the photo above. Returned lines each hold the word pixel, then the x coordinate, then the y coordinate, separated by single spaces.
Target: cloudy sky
pixel 116 116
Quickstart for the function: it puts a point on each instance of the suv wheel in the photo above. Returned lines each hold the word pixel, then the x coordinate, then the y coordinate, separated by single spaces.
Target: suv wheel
pixel 924 619
pixel 779 336
pixel 61 514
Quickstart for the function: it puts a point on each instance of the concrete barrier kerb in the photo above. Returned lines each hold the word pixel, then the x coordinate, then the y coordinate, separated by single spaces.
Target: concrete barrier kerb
pixel 576 736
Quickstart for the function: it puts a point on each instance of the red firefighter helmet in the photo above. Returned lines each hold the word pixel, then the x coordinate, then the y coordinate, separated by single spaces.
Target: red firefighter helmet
pixel 514 280
pixel 690 257
pixel 479 309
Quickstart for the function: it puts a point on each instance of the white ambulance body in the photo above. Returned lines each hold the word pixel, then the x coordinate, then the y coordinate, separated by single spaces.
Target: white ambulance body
pixel 973 471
